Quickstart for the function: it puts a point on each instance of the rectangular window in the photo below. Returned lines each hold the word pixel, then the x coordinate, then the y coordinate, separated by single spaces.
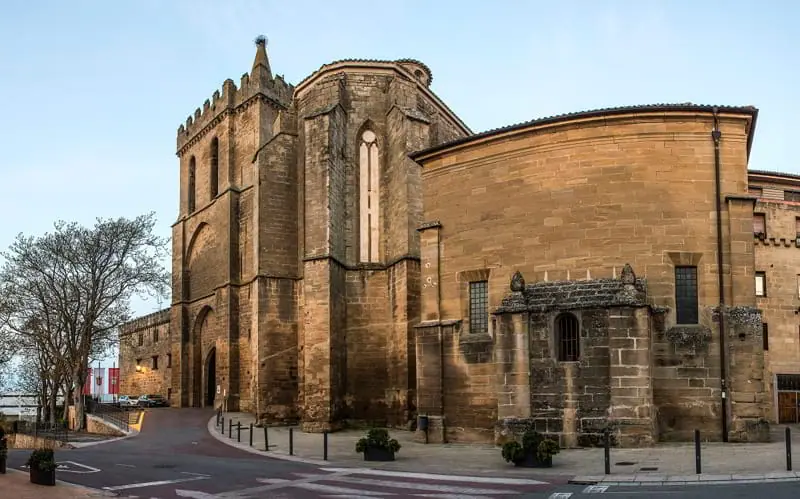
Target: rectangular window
pixel 756 191
pixel 759 223
pixel 155 362
pixel 686 295
pixel 761 284
pixel 138 363
pixel 797 226
pixel 141 339
pixel 765 335
pixel 169 360
pixel 791 196
pixel 479 307
pixel 155 336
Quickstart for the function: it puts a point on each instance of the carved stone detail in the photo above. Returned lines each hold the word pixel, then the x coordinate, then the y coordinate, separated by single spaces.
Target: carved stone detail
pixel 628 277
pixel 517 282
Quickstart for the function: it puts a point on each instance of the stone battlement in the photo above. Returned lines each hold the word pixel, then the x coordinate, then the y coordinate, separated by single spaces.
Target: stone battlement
pixel 145 321
pixel 259 83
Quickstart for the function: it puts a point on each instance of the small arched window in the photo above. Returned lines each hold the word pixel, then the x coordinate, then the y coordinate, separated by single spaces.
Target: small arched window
pixel 369 173
pixel 191 185
pixel 568 337
pixel 213 180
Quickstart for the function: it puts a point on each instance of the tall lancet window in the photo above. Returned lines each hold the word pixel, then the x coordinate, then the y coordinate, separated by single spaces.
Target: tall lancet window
pixel 369 174
pixel 191 186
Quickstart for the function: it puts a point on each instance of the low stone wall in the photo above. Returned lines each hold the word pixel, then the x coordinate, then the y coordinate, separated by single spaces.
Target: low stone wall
pixel 19 441
pixel 97 425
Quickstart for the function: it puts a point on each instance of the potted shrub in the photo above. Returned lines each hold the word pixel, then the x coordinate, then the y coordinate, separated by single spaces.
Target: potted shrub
pixel 535 451
pixel 42 465
pixel 377 446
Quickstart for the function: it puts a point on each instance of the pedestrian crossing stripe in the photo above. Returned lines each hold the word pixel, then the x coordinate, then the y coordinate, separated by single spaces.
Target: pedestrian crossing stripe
pixel 595 489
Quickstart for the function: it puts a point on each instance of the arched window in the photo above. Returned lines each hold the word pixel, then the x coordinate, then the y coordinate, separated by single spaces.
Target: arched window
pixel 213 180
pixel 568 338
pixel 190 187
pixel 369 174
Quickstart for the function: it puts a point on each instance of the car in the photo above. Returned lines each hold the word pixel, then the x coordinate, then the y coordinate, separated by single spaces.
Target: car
pixel 128 401
pixel 153 400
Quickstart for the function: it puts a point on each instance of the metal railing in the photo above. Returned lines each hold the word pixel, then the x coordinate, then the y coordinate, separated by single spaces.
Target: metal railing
pixel 112 413
pixel 53 431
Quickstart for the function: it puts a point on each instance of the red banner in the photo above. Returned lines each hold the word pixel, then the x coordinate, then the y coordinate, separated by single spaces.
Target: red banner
pixel 87 385
pixel 113 380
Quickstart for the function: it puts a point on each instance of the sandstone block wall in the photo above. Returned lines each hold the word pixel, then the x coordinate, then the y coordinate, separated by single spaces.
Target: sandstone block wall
pixel 778 256
pixel 156 340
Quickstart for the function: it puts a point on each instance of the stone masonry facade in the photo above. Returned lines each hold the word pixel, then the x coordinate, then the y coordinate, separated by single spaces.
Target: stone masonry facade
pixel 348 252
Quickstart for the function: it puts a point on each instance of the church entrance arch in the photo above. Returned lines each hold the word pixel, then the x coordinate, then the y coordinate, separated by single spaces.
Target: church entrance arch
pixel 211 377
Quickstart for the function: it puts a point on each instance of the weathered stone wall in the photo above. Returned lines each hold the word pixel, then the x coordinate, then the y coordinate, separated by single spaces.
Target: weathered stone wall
pixel 156 341
pixel 778 255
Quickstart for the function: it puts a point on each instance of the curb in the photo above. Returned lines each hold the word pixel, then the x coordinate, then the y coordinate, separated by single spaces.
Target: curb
pixel 212 430
pixel 90 490
pixel 700 481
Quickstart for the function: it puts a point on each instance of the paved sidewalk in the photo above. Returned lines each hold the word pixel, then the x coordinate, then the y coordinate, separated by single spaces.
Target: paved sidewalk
pixel 17 484
pixel 656 465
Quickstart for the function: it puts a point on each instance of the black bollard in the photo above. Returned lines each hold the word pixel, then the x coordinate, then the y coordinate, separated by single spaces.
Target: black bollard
pixel 788 449
pixel 222 426
pixel 291 441
pixel 266 438
pixel 697 465
pixel 324 445
pixel 251 434
pixel 238 431
pixel 607 451
pixel 230 428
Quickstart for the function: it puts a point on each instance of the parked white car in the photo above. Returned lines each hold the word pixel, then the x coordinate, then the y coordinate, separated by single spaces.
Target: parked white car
pixel 126 401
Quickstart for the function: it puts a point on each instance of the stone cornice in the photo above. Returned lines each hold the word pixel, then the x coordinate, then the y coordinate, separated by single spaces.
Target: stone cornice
pixel 361 266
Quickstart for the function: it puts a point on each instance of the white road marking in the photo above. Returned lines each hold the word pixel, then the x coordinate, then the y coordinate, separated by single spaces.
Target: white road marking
pixel 409 485
pixel 560 495
pixel 126 465
pixel 195 474
pixel 154 484
pixel 65 466
pixel 595 489
pixel 452 496
pixel 330 489
pixel 432 476
pixel 194 494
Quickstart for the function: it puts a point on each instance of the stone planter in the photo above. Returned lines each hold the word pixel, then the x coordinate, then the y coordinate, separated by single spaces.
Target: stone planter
pixel 378 454
pixel 40 477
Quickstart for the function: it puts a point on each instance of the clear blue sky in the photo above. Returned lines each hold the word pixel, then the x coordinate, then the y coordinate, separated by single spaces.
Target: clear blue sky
pixel 94 91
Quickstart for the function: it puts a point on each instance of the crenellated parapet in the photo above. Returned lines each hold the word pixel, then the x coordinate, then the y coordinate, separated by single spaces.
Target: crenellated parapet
pixel 145 322
pixel 256 86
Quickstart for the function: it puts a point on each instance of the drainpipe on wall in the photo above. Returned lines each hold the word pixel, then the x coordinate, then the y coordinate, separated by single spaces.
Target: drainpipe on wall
pixel 715 136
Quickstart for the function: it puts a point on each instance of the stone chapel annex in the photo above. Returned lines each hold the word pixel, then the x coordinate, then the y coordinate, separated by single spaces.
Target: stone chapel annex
pixel 349 251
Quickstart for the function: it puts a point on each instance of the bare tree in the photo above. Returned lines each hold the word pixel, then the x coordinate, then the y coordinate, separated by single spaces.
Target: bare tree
pixel 71 289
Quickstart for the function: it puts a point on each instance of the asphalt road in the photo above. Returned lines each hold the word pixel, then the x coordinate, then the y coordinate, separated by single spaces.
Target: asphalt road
pixel 175 457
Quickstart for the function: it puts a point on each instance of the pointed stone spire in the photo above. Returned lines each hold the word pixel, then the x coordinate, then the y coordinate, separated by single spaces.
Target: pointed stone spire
pixel 261 62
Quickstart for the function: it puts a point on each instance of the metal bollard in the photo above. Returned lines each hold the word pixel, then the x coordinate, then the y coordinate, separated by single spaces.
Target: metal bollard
pixel 324 445
pixel 291 441
pixel 251 434
pixel 222 426
pixel 697 465
pixel 266 438
pixel 230 428
pixel 238 431
pixel 607 452
pixel 788 449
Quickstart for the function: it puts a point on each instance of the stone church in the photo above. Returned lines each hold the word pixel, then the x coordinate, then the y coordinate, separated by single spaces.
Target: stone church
pixel 348 251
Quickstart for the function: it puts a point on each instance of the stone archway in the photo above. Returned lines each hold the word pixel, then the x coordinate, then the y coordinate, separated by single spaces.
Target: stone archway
pixel 201 330
pixel 211 378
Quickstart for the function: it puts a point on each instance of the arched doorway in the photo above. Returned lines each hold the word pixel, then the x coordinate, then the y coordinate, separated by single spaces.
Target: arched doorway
pixel 211 378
